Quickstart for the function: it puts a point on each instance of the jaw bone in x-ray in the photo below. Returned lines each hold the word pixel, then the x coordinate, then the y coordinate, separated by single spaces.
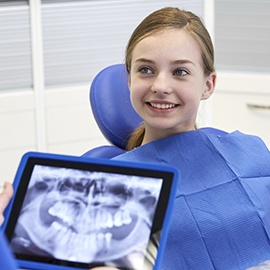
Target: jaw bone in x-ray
pixel 86 216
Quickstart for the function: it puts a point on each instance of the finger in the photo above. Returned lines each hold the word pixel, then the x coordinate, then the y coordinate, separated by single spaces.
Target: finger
pixel 5 196
pixel 1 219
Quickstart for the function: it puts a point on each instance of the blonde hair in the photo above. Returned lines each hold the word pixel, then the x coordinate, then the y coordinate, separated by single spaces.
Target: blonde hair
pixel 170 18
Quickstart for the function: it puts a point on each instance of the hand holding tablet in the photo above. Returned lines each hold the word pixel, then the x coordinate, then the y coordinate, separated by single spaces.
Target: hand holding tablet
pixel 76 213
pixel 5 197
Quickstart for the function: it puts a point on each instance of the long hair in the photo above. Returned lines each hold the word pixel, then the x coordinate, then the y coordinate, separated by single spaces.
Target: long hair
pixel 170 18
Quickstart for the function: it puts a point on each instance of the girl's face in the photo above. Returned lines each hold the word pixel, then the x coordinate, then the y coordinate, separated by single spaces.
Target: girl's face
pixel 167 82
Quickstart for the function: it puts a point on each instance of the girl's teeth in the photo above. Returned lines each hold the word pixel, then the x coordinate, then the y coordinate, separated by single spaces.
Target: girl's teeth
pixel 162 106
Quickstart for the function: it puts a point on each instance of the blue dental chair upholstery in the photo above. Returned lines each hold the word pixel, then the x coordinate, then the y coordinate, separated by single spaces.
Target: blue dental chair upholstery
pixel 113 112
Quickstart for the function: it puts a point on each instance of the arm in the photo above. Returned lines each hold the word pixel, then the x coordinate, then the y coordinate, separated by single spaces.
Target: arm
pixel 5 197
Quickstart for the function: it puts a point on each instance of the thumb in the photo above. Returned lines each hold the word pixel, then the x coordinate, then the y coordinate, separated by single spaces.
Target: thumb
pixel 5 197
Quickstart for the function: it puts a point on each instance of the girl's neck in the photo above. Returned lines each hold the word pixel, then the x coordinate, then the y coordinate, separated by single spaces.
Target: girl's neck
pixel 161 134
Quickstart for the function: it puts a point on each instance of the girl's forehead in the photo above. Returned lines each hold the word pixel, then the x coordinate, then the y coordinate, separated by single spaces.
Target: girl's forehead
pixel 169 43
pixel 169 37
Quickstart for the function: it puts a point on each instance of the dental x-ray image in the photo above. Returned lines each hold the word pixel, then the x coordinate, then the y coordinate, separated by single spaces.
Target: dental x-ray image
pixel 87 216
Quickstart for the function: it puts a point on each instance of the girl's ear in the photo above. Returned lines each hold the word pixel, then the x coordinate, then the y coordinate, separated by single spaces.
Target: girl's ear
pixel 210 83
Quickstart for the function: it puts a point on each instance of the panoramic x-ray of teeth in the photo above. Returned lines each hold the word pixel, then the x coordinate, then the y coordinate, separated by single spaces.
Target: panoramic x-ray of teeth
pixel 86 217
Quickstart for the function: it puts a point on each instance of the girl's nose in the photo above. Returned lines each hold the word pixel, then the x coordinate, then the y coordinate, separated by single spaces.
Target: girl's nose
pixel 161 84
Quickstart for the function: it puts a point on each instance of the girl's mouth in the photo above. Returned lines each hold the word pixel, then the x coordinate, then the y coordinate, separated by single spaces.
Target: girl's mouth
pixel 162 106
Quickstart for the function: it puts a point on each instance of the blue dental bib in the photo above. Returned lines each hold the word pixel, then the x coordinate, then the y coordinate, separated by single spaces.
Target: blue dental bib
pixel 221 217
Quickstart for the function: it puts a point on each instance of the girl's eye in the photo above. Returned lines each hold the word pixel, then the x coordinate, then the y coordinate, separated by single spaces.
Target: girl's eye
pixel 180 72
pixel 145 70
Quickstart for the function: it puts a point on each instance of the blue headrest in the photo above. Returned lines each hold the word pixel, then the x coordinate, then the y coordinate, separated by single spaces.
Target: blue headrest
pixel 111 107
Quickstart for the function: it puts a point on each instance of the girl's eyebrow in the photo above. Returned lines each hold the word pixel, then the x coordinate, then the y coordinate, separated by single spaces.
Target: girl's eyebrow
pixel 180 61
pixel 183 61
pixel 145 60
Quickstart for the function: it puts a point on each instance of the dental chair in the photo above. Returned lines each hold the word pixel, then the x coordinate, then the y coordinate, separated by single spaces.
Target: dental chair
pixel 112 110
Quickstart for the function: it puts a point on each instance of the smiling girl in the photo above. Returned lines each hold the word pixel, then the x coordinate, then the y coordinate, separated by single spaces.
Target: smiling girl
pixel 170 60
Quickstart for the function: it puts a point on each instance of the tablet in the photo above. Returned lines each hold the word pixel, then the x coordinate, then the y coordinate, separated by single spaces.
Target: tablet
pixel 78 213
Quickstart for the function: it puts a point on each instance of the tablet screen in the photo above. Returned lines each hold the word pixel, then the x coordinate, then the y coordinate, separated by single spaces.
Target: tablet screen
pixel 84 215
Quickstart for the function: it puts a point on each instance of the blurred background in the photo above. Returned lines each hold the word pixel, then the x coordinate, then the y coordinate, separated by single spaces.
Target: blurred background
pixel 50 51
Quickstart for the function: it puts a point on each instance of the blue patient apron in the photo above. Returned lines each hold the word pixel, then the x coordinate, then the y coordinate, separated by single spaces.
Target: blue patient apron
pixel 221 217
